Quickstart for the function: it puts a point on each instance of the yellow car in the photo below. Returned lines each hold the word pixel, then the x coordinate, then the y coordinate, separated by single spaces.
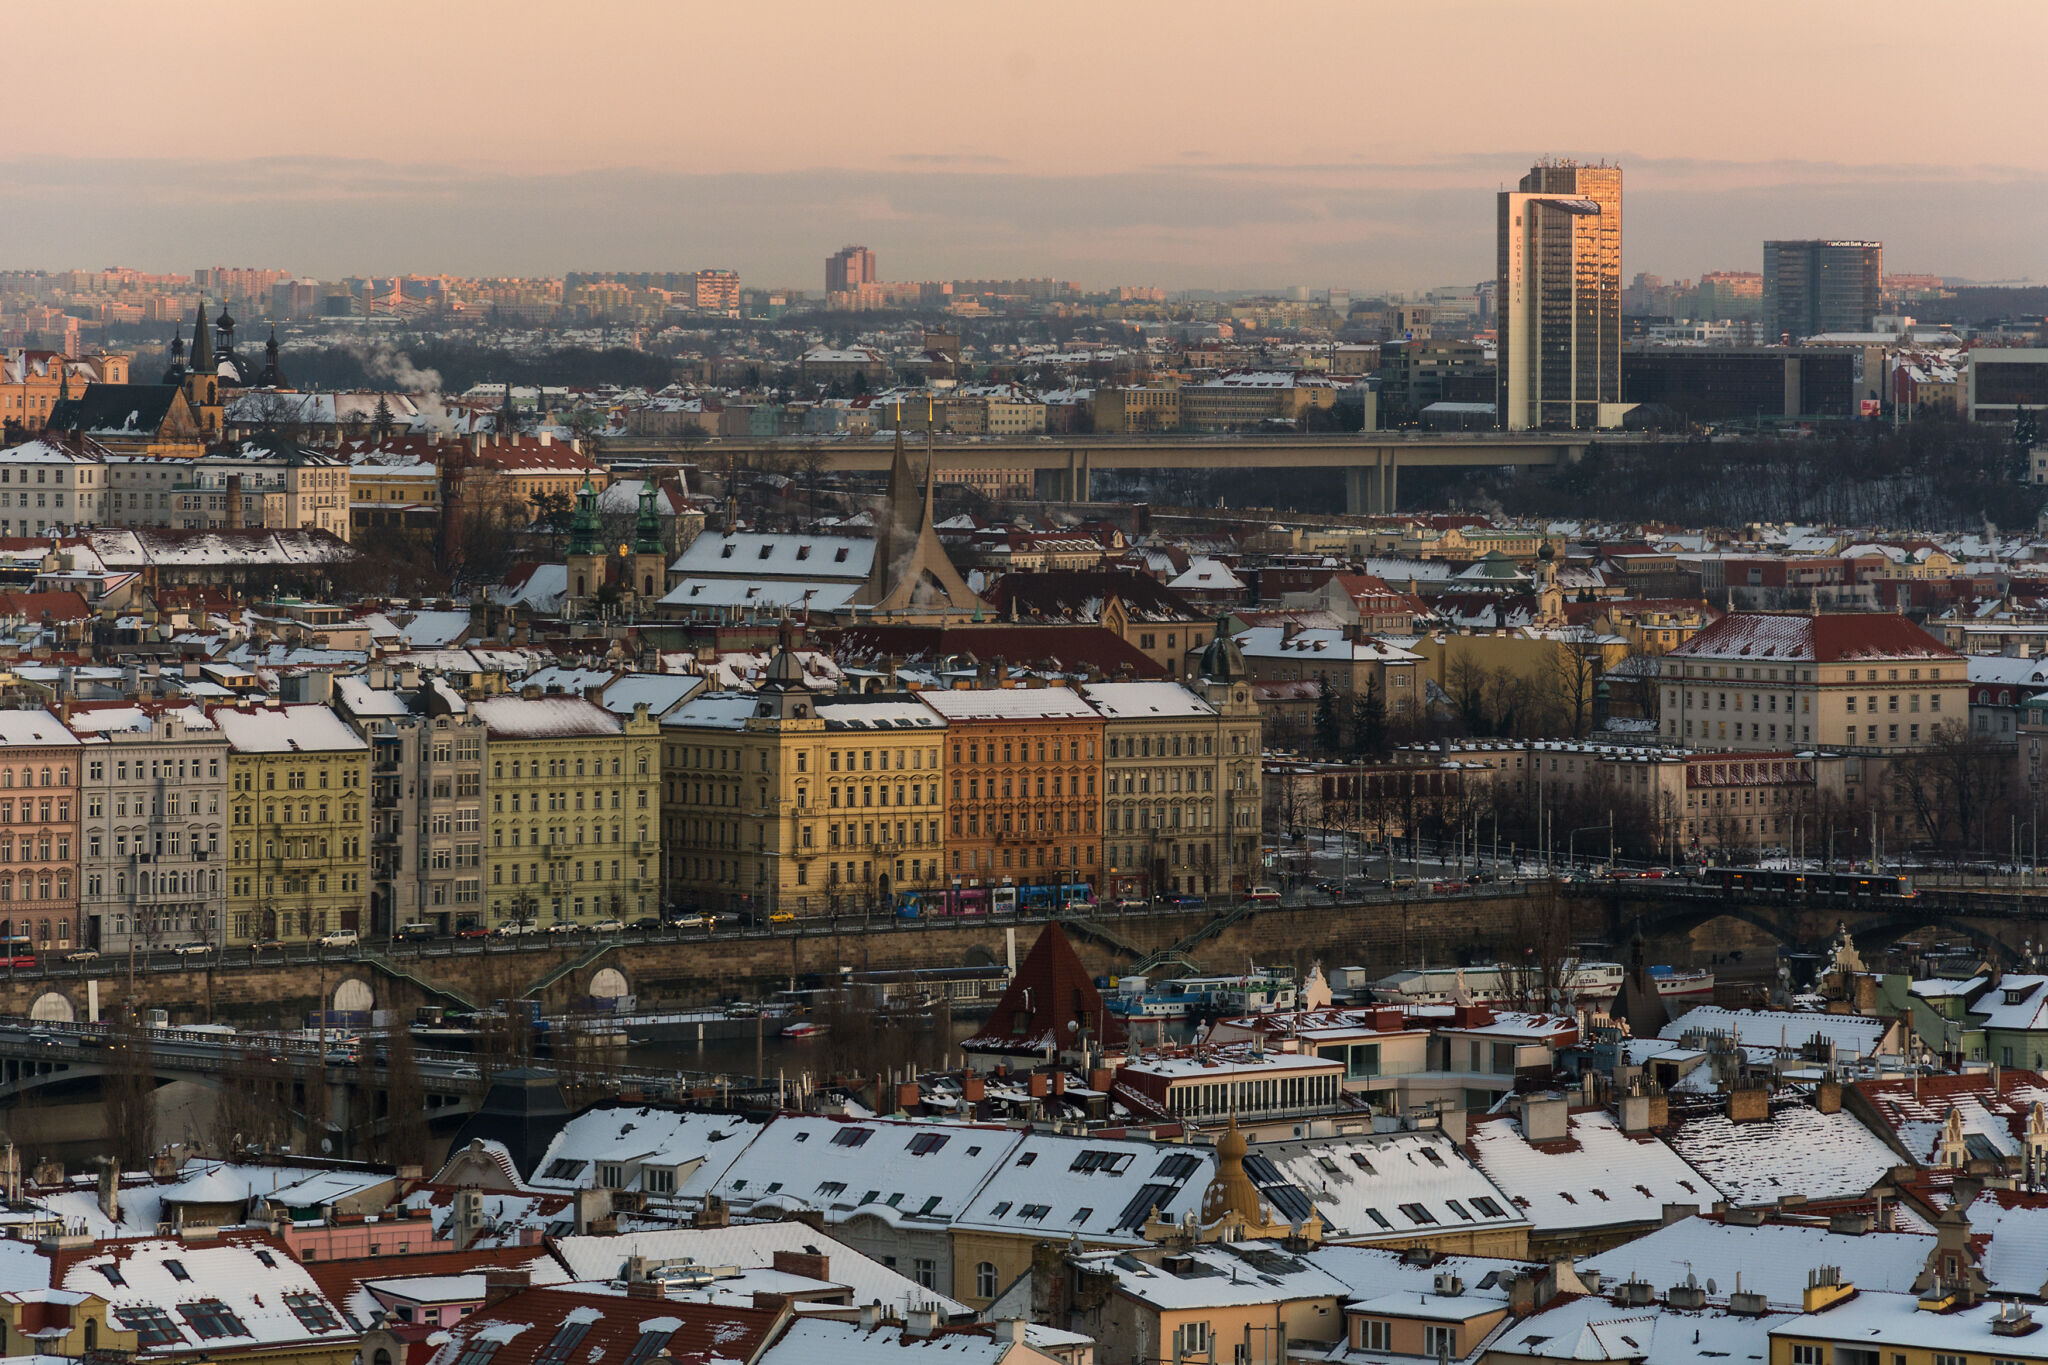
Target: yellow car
pixel 782 917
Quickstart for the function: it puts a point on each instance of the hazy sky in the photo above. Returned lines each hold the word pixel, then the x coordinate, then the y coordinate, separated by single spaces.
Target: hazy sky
pixel 1190 144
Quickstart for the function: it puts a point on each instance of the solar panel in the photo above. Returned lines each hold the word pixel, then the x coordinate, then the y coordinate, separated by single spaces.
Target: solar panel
pixel 1291 1203
pixel 1142 1203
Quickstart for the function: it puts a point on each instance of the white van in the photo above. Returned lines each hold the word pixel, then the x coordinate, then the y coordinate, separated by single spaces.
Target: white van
pixel 340 938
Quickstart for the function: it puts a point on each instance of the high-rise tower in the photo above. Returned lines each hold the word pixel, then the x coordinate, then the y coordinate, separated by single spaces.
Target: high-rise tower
pixel 1559 297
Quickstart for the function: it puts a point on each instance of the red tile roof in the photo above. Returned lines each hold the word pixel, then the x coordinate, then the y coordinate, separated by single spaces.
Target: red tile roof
pixel 706 1332
pixel 1830 637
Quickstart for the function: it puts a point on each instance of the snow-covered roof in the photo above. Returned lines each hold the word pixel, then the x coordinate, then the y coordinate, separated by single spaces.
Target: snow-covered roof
pixel 820 1341
pixel 517 718
pixel 1597 1177
pixel 1097 1189
pixel 795 594
pixel 1799 1150
pixel 1315 645
pixel 1222 1275
pixel 755 554
pixel 266 1299
pixel 713 711
pixel 1851 1034
pixel 1592 1328
pixel 1403 1185
pixel 749 1245
pixel 1145 700
pixel 287 730
pixel 37 727
pixel 905 1174
pixel 1773 1259
pixel 633 1136
pixel 1008 703
pixel 877 715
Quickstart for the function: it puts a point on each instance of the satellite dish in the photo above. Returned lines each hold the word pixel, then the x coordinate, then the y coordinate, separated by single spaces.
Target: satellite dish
pixel 1711 1288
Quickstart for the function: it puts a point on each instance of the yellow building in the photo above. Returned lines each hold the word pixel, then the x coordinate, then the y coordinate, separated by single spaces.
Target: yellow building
pixel 783 803
pixel 574 800
pixel 297 822
pixel 58 1322
pixel 1842 1325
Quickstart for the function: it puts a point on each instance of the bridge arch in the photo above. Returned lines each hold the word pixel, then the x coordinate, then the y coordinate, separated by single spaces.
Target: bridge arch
pixel 53 1007
pixel 352 995
pixel 609 983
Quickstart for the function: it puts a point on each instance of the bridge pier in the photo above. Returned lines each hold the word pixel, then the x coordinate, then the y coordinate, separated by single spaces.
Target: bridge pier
pixel 1071 484
pixel 1371 490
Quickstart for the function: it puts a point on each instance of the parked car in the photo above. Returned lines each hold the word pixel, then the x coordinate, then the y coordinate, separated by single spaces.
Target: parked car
pixel 646 924
pixel 515 928
pixel 266 945
pixel 193 949
pixel 565 926
pixel 472 931
pixel 341 938
pixel 608 926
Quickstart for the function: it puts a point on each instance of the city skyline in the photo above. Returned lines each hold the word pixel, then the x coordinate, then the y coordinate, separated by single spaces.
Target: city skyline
pixel 1038 166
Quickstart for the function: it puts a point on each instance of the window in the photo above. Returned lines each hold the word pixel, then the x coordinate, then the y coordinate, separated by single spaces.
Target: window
pixel 1418 1214
pixel 178 1271
pixel 312 1312
pixel 151 1325
pixel 926 1272
pixel 1194 1338
pixel 985 1280
pixel 854 1137
pixel 563 1168
pixel 211 1318
pixel 926 1143
pixel 649 1345
pixel 1375 1334
pixel 556 1352
pixel 1805 1354
pixel 1440 1342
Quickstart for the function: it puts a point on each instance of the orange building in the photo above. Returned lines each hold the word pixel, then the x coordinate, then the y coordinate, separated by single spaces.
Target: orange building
pixel 1024 771
pixel 39 786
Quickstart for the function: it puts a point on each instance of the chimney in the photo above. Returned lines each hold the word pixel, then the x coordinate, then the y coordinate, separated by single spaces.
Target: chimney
pixel 809 1264
pixel 919 1322
pixel 973 1089
pixel 907 1097
pixel 870 1316
pixel 109 1187
pixel 234 507
pixel 501 1284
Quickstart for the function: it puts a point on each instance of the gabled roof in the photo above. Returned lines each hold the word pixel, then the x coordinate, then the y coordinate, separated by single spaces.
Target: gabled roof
pixel 526 1326
pixel 1047 1005
pixel 118 409
pixel 1829 637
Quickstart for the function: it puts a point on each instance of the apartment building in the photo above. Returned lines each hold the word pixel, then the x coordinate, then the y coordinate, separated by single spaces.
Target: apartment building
pixel 1180 786
pixel 155 826
pixel 39 790
pixel 1862 680
pixel 574 805
pixel 782 802
pixel 298 786
pixel 1023 768
pixel 46 485
pixel 426 798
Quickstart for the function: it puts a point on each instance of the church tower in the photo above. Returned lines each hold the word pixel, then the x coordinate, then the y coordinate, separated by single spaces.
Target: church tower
pixel 202 379
pixel 647 568
pixel 586 560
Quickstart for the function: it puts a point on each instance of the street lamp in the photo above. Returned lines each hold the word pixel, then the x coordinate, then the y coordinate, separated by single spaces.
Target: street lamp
pixel 1572 839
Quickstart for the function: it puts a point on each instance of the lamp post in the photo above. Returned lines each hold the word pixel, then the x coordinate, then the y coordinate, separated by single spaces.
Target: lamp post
pixel 1571 856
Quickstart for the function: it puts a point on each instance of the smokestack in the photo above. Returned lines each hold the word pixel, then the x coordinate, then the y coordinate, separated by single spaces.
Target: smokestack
pixel 234 520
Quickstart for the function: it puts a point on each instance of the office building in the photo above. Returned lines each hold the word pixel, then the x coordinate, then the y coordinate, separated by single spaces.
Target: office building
pixel 1818 286
pixel 1742 383
pixel 848 268
pixel 1559 291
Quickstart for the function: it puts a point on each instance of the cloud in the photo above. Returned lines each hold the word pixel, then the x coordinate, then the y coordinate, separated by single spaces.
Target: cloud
pixel 1366 224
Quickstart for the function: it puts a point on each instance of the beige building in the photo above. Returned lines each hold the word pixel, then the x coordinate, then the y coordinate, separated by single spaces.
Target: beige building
pixel 1861 681
pixel 786 802
pixel 1181 800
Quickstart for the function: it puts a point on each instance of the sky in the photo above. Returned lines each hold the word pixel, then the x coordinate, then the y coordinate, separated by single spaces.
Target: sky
pixel 1185 145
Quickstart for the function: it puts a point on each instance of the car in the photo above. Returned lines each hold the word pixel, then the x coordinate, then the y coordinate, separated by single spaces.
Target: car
pixel 608 926
pixel 1400 883
pixel 1264 895
pixel 263 944
pixel 782 917
pixel 647 924
pixel 466 1073
pixel 1448 886
pixel 413 933
pixel 706 921
pixel 193 949
pixel 1127 903
pixel 515 928
pixel 82 955
pixel 341 1056
pixel 472 931
pixel 1183 901
pixel 341 938
pixel 565 926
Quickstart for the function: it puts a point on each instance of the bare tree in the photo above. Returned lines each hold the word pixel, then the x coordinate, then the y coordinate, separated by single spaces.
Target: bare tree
pixel 404 1139
pixel 128 1090
pixel 1958 791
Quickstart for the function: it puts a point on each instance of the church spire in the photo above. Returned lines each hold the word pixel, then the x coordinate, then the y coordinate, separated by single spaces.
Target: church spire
pixel 583 529
pixel 202 343
pixel 647 528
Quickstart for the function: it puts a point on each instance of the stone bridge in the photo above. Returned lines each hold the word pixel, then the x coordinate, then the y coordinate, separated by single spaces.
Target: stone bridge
pixel 2003 925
